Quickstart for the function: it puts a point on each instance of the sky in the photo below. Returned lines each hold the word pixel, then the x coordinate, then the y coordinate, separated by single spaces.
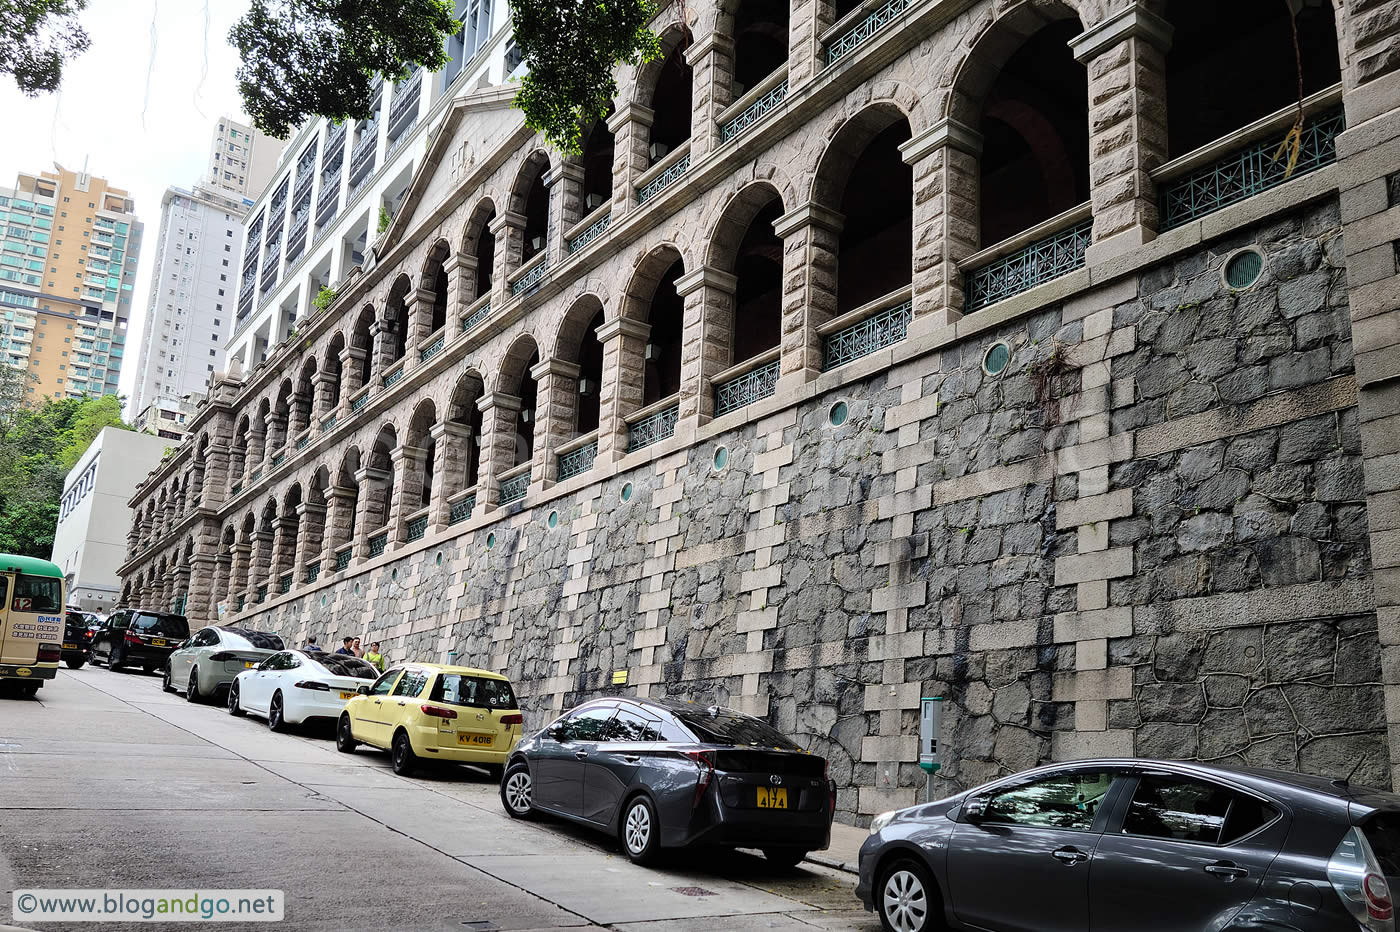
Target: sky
pixel 139 139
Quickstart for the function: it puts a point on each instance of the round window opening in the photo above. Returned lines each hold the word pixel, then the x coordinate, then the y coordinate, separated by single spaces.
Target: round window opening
pixel 554 519
pixel 490 541
pixel 998 355
pixel 721 457
pixel 357 588
pixel 394 575
pixel 627 491
pixel 1244 268
pixel 838 414
pixel 439 558
pixel 323 601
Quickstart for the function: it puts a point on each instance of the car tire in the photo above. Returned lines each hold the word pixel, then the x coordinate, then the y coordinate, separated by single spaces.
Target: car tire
pixel 517 791
pixel 233 707
pixel 345 741
pixel 786 858
pixel 75 663
pixel 640 830
pixel 276 720
pixel 401 755
pixel 907 899
pixel 29 690
pixel 192 689
pixel 165 683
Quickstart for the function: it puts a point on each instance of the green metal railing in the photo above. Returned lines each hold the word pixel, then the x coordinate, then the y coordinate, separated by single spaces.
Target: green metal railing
pixel 303 442
pixel 461 511
pixel 755 111
pixel 329 423
pixel 262 594
pixel 179 603
pixel 530 279
pixel 256 475
pixel 862 31
pixel 431 350
pixel 653 428
pixel 577 461
pixel 313 571
pixel 237 487
pixel 378 544
pixel 595 230
pixel 879 330
pixel 392 377
pixel 242 602
pixel 746 389
pixel 284 585
pixel 476 317
pixel 342 558
pixel 664 180
pixel 417 528
pixel 514 488
pixel 1057 254
pixel 278 459
pixel 357 404
pixel 1248 171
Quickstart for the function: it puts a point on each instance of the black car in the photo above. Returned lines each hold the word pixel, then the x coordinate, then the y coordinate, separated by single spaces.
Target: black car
pixel 662 774
pixel 77 639
pixel 1139 846
pixel 139 638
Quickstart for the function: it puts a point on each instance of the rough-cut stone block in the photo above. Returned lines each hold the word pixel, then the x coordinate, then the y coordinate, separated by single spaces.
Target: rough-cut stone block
pixel 911 413
pixel 891 696
pixel 889 748
pixel 908 595
pixel 1116 622
pixel 1004 635
pixel 1109 564
pixel 1072 513
pixel 988 481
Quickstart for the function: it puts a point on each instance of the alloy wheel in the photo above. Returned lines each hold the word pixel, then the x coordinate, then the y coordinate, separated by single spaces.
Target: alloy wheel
pixel 274 713
pixel 906 902
pixel 638 831
pixel 518 791
pixel 192 693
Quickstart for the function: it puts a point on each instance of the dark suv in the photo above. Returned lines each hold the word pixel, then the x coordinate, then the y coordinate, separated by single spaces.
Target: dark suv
pixel 77 639
pixel 139 638
pixel 1139 846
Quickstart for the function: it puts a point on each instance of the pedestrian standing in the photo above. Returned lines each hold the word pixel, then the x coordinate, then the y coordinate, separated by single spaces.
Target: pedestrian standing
pixel 356 649
pixel 311 643
pixel 344 647
pixel 373 657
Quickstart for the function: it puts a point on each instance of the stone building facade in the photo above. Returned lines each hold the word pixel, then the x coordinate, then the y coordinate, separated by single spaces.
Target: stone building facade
pixel 869 352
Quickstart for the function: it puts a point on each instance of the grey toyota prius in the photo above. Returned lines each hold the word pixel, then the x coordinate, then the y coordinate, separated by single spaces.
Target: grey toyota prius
pixel 1139 846
pixel 664 774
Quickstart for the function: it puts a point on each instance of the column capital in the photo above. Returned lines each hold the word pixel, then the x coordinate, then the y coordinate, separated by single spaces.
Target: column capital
pixel 946 132
pixel 504 219
pixel 500 400
pixel 406 452
pixel 366 473
pixel 564 170
pixel 310 508
pixel 463 260
pixel 805 215
pixel 342 493
pixel 552 366
pixel 351 353
pixel 707 44
pixel 706 276
pixel 629 112
pixel 445 429
pixel 626 326
pixel 420 295
pixel 1134 21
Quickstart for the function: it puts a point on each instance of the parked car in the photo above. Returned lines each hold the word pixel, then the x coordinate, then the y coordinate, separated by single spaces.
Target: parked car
pixel 427 711
pixel 1139 845
pixel 662 774
pixel 295 686
pixel 138 637
pixel 207 663
pixel 77 639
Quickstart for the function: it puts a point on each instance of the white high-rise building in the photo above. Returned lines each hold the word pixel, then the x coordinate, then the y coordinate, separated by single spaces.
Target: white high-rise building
pixel 241 158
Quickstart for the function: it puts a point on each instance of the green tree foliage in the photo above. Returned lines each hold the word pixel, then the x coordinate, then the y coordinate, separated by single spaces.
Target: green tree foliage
pixel 36 37
pixel 305 58
pixel 571 49
pixel 38 446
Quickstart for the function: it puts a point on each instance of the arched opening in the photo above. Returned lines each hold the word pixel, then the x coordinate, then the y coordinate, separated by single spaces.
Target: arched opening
pixel 349 486
pixel 259 438
pixel 304 397
pixel 481 243
pixel 201 457
pixel 381 484
pixel 396 318
pixel 418 475
pixel 263 547
pixel 289 531
pixel 246 565
pixel 238 454
pixel 435 280
pixel 332 374
pixel 758 291
pixel 531 199
pixel 760 42
pixel 661 376
pixel 462 410
pixel 673 104
pixel 282 417
pixel 1035 130
pixel 578 344
pixel 597 163
pixel 1214 88
pixel 517 380
pixel 363 340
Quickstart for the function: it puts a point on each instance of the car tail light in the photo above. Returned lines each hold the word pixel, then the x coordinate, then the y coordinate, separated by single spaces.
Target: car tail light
pixel 132 637
pixel 706 762
pixel 49 653
pixel 830 788
pixel 312 684
pixel 89 634
pixel 513 718
pixel 1356 875
pixel 223 655
pixel 437 711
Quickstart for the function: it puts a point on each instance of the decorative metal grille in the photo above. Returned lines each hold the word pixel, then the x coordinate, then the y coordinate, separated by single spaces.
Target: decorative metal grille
pixel 1051 257
pixel 746 389
pixel 237 487
pixel 342 559
pixel 1248 171
pixel 879 330
pixel 178 607
pixel 664 180
pixel 481 314
pixel 514 488
pixel 863 30
pixel 595 230
pixel 754 111
pixel 278 459
pixel 357 403
pixel 284 585
pixel 262 595
pixel 329 423
pixel 530 279
pixel 418 528
pixel 257 474
pixel 429 351
pixel 461 511
pixel 649 430
pixel 577 461
pixel 303 442
pixel 313 571
pixel 392 377
pixel 242 601
pixel 378 544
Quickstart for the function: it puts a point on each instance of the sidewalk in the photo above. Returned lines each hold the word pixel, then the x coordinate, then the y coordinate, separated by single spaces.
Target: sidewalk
pixel 844 852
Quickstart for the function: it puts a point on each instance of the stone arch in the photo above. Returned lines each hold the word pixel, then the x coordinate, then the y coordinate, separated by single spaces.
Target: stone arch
pixel 420 460
pixel 515 378
pixel 598 150
pixel 479 243
pixel 744 244
pixel 332 374
pixel 664 86
pixel 462 410
pixel 433 278
pixel 362 341
pixel 529 198
pixel 577 342
pixel 379 483
pixel 304 397
pixel 395 322
pixel 651 298
pixel 760 32
pixel 279 426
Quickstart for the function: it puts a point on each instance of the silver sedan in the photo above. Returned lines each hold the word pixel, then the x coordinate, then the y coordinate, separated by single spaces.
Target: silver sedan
pixel 207 663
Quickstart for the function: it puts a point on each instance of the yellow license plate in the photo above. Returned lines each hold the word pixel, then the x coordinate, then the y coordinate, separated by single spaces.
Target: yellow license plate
pixel 70 646
pixel 248 665
pixel 347 695
pixel 157 642
pixel 471 737
pixel 775 798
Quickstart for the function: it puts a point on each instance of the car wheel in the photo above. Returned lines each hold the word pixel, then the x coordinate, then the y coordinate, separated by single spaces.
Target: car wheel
pixel 401 755
pixel 906 900
pixel 275 719
pixel 75 662
pixel 345 741
pixel 784 857
pixel 192 691
pixel 165 680
pixel 640 831
pixel 517 791
pixel 233 707
pixel 149 669
pixel 29 690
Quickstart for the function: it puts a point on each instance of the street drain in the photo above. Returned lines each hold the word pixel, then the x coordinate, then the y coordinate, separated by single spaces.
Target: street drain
pixel 693 891
pixel 481 925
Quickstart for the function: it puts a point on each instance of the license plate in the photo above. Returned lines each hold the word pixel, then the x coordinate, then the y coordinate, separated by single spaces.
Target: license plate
pixel 475 738
pixel 157 642
pixel 347 695
pixel 775 798
pixel 70 646
pixel 248 664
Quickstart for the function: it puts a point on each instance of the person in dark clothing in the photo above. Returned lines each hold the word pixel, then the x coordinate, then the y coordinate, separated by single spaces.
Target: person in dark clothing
pixel 311 643
pixel 345 647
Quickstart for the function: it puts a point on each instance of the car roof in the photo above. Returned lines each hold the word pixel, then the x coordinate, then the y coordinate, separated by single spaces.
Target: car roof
pixel 445 668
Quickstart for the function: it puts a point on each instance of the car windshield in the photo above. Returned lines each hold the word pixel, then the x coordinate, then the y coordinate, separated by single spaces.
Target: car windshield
pixel 345 665
pixel 172 626
pixel 76 619
pixel 258 639
pixel 481 691
pixel 721 726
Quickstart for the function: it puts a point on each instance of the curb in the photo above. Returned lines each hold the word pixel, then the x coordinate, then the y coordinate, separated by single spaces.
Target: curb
pixel 850 867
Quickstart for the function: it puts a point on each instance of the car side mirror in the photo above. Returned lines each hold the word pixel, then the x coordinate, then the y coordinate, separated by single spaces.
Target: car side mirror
pixel 974 809
pixel 362 689
pixel 558 732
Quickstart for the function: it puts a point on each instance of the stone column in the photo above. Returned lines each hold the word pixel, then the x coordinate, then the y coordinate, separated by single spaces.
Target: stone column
pixel 223 567
pixel 242 562
pixel 253 455
pixel 338 528
pixel 945 162
pixel 261 569
pixel 200 587
pixel 631 128
pixel 811 236
pixel 311 524
pixel 324 386
pixel 1126 56
pixel 213 490
pixel 509 229
pixel 370 507
pixel 461 290
pixel 408 484
pixel 556 415
pixel 351 360
pixel 808 19
pixel 707 340
pixel 385 341
pixel 276 436
pixel 565 184
pixel 498 415
pixel 624 347
pixel 420 322
pixel 712 61
pixel 452 443
pixel 284 546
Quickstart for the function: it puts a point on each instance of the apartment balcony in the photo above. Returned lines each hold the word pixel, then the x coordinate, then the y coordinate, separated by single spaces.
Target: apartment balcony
pixel 335 142
pixel 269 273
pixel 362 159
pixel 328 204
pixel 404 109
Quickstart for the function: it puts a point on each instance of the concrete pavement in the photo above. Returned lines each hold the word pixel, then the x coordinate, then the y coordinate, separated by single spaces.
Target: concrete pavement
pixel 108 782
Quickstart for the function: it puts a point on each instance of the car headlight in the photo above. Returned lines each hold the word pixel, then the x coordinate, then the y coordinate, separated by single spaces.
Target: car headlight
pixel 881 820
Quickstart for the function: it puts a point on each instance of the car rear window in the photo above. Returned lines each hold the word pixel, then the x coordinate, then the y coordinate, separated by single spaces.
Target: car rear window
pixel 721 726
pixel 345 665
pixel 172 626
pixel 259 639
pixel 1383 833
pixel 480 691
pixel 37 594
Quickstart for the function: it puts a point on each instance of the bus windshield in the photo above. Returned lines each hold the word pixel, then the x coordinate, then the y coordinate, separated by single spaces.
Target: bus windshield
pixel 37 594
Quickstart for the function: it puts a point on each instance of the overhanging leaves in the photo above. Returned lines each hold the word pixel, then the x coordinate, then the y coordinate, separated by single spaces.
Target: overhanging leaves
pixel 36 36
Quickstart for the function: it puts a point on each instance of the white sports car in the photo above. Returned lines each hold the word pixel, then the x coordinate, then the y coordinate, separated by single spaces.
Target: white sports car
pixel 206 664
pixel 295 685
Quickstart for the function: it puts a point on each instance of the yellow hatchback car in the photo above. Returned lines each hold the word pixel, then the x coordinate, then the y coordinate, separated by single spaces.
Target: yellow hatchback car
pixel 427 711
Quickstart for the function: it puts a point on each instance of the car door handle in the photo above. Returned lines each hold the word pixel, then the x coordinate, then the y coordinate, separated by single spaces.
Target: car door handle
pixel 581 755
pixel 1226 870
pixel 1069 855
pixel 632 758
